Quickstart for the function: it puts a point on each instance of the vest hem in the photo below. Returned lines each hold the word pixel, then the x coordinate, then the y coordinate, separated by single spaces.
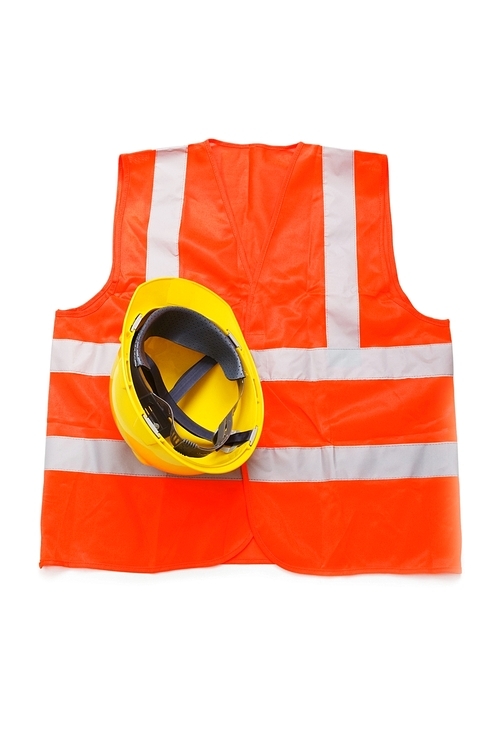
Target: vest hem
pixel 425 570
pixel 283 566
pixel 137 569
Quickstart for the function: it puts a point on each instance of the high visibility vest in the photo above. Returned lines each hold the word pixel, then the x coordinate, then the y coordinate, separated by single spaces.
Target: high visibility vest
pixel 356 469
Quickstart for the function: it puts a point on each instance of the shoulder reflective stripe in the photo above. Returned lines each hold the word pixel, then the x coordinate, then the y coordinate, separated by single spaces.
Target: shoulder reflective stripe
pixel 287 364
pixel 162 256
pixel 321 364
pixel 369 462
pixel 341 268
pixel 77 357
pixel 107 456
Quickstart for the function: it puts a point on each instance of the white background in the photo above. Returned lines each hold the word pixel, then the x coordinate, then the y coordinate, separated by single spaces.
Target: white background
pixel 248 658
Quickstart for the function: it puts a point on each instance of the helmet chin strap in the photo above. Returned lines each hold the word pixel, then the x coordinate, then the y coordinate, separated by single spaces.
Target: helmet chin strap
pixel 163 413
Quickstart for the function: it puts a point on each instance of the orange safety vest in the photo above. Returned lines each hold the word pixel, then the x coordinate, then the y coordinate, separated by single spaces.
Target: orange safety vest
pixel 356 470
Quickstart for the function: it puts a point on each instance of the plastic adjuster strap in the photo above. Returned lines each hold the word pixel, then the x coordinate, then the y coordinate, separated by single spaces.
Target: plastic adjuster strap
pixel 160 404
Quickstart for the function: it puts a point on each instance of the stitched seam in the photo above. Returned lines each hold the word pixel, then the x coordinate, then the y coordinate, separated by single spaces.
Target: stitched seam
pixel 181 209
pixel 161 568
pixel 291 379
pixel 318 349
pixel 229 212
pixel 299 571
pixel 329 446
pixel 343 478
pixel 254 280
pixel 200 477
pixel 356 251
pixel 355 350
pixel 325 251
pixel 312 571
pixel 350 379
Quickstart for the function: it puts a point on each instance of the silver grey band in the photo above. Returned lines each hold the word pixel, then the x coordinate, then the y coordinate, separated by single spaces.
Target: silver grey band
pixel 287 364
pixel 341 276
pixel 278 465
pixel 341 267
pixel 353 463
pixel 107 456
pixel 162 254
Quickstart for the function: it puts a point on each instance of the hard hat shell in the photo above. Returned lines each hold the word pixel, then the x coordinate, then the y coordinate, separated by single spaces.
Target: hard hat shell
pixel 206 403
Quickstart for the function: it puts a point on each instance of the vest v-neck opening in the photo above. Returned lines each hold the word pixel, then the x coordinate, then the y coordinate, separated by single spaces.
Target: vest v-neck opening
pixel 252 202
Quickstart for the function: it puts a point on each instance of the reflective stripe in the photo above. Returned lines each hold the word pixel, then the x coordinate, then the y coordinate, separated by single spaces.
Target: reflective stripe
pixel 354 463
pixel 162 256
pixel 284 464
pixel 77 357
pixel 287 364
pixel 109 456
pixel 321 364
pixel 341 268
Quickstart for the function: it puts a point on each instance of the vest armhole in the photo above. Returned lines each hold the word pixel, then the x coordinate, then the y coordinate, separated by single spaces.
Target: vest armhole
pixel 94 303
pixel 387 249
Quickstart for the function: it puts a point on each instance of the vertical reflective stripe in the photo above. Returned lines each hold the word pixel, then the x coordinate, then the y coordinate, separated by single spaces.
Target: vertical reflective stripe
pixel 341 269
pixel 162 258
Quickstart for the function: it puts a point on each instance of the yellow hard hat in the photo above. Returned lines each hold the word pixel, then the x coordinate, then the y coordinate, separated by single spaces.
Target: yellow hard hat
pixel 180 412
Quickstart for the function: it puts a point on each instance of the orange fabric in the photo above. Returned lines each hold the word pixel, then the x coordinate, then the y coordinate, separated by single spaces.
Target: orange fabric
pixel 90 414
pixel 128 518
pixel 141 524
pixel 346 527
pixel 381 411
pixel 136 174
pixel 282 272
pixel 252 230
pixel 250 555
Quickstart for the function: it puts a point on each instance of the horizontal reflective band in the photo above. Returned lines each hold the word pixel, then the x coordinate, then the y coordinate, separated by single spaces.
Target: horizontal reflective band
pixel 109 456
pixel 77 357
pixel 287 364
pixel 322 364
pixel 348 463
pixel 289 464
